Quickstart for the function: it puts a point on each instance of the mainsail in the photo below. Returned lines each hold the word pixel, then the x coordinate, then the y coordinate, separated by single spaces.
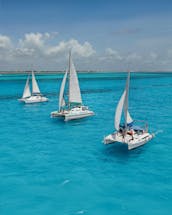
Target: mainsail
pixel 26 92
pixel 119 110
pixel 35 88
pixel 61 95
pixel 74 89
pixel 127 116
pixel 123 105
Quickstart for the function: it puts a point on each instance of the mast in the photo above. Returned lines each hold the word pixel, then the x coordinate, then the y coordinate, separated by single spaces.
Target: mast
pixel 126 114
pixel 69 79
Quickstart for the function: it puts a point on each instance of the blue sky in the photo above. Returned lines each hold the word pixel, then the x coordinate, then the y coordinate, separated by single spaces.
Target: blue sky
pixel 103 34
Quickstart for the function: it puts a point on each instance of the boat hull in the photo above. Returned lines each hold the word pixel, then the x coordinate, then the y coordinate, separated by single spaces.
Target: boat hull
pixel 132 142
pixel 75 113
pixel 56 114
pixel 34 99
pixel 72 116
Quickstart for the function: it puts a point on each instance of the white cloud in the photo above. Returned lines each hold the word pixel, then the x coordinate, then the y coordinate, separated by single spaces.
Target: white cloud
pixel 23 52
pixel 5 42
pixel 33 40
pixel 83 50
pixel 40 49
pixel 111 54
pixel 37 44
pixel 5 48
pixel 133 57
pixel 44 52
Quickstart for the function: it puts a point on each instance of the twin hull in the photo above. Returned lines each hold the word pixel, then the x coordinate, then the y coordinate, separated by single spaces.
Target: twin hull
pixel 72 114
pixel 132 142
pixel 78 116
pixel 34 99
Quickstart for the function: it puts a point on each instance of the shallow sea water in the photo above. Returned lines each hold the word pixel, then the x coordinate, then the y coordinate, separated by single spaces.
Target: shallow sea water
pixel 48 166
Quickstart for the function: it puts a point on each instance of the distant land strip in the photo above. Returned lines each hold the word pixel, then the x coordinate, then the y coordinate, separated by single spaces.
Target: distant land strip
pixel 89 71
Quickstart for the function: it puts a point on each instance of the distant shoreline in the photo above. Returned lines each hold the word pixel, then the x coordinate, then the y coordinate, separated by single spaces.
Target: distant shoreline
pixel 61 72
pixel 26 72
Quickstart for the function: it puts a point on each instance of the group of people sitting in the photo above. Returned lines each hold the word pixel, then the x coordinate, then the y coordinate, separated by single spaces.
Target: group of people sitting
pixel 130 130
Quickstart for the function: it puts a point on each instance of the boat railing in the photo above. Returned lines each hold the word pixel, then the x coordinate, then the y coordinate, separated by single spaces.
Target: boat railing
pixel 142 124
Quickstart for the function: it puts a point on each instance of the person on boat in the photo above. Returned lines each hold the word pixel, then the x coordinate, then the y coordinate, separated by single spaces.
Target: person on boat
pixel 122 130
pixel 131 132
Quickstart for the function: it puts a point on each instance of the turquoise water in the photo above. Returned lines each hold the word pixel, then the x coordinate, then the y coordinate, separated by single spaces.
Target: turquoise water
pixel 51 167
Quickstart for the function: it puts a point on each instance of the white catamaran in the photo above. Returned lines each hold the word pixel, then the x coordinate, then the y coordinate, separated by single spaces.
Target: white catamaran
pixel 35 96
pixel 71 108
pixel 130 133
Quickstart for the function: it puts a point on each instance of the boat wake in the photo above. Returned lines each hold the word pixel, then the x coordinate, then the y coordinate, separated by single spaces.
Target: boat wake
pixel 158 132
pixel 80 212
pixel 65 182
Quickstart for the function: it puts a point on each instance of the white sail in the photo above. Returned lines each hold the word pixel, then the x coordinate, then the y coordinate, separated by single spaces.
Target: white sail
pixel 35 88
pixel 74 89
pixel 126 99
pixel 26 92
pixel 127 116
pixel 61 95
pixel 129 119
pixel 119 110
pixel 123 105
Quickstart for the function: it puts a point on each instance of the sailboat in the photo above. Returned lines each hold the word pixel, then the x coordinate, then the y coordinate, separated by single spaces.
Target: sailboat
pixel 134 133
pixel 36 95
pixel 71 107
